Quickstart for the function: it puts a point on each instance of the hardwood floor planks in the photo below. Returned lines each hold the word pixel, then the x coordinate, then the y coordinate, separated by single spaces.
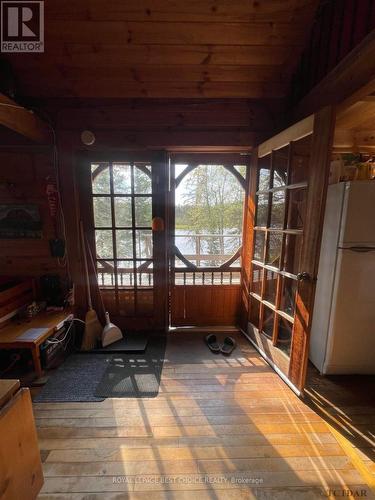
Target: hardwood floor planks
pixel 219 428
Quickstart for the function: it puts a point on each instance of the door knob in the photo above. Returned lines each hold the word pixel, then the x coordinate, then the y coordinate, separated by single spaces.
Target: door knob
pixel 303 276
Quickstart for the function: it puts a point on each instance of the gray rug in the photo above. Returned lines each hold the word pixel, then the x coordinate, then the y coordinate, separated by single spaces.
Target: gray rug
pixel 75 380
pixel 91 377
pixel 134 375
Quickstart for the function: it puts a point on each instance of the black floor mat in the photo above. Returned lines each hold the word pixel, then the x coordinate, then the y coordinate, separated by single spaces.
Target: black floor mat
pixel 75 380
pixel 129 344
pixel 134 375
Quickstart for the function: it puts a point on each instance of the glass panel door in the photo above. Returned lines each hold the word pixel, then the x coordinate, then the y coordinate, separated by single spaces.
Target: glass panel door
pixel 124 195
pixel 288 199
pixel 280 215
pixel 206 216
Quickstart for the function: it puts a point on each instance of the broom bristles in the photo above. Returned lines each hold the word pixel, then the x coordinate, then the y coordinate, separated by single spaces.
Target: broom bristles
pixel 93 330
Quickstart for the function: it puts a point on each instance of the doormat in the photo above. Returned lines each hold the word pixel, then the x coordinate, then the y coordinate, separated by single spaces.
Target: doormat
pixel 128 344
pixel 134 375
pixel 75 380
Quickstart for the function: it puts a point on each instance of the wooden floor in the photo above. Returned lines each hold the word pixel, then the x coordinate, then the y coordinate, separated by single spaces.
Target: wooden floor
pixel 347 403
pixel 220 428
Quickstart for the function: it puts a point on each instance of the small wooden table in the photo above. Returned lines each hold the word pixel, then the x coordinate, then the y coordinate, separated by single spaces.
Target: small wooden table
pixel 12 335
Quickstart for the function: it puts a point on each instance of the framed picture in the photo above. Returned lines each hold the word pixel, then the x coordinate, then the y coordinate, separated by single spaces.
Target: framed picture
pixel 20 221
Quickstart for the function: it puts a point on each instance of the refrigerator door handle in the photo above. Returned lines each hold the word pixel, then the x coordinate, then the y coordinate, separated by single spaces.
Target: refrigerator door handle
pixel 361 249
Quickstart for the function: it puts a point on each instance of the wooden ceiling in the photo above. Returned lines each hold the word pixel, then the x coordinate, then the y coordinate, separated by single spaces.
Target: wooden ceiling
pixel 167 48
pixel 355 127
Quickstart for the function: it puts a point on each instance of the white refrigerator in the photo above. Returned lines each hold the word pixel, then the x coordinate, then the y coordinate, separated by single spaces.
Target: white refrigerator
pixel 343 327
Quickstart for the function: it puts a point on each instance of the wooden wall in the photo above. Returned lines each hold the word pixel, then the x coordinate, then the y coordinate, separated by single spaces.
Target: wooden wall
pixel 23 173
pixel 161 123
pixel 340 25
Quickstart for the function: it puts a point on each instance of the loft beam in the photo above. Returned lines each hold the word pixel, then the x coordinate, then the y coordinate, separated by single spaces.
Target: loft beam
pixel 23 121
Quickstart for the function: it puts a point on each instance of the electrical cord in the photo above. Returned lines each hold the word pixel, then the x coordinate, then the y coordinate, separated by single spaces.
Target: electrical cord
pixel 54 340
pixel 62 261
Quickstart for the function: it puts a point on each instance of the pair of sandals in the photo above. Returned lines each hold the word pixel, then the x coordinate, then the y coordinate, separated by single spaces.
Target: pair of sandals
pixel 226 348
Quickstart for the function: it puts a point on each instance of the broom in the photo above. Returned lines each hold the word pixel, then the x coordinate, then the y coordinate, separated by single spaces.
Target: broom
pixel 93 328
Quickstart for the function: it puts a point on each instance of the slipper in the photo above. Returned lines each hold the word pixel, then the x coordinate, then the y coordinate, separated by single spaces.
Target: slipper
pixel 229 345
pixel 212 343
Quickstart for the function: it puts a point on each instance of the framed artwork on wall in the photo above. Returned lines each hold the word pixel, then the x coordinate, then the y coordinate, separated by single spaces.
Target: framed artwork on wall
pixel 20 221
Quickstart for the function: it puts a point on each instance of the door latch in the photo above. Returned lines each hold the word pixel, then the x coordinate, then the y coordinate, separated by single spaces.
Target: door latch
pixel 304 276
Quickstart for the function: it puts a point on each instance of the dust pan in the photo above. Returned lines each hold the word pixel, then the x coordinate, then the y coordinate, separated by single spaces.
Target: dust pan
pixel 111 333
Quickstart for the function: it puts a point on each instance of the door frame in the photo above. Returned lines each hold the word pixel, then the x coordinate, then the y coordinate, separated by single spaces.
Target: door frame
pixel 321 127
pixel 158 161
pixel 208 304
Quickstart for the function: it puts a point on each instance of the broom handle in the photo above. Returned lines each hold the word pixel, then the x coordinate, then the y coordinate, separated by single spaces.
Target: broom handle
pixel 86 268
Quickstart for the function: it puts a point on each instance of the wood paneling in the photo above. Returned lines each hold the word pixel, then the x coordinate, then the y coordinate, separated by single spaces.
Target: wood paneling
pixel 205 305
pixel 108 86
pixel 23 179
pixel 355 127
pixel 167 49
pixel 165 123
pixel 180 11
pixel 350 81
pixel 340 27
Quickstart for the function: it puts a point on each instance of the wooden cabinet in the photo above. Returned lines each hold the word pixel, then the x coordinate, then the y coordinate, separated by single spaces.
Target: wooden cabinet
pixel 21 475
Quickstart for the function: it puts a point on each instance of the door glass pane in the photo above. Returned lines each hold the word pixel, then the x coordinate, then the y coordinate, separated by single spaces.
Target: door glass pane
pixel 144 274
pixel 121 178
pixel 106 273
pixel 123 212
pixel 100 178
pixel 102 211
pixel 271 283
pixel 254 311
pixel 104 244
pixel 144 244
pixel 277 209
pixel 208 214
pixel 280 166
pixel 284 338
pixel 292 253
pixel 259 245
pixel 268 316
pixel 262 210
pixel 143 211
pixel 274 249
pixel 142 180
pixel 125 269
pixel 264 173
pixel 257 279
pixel 288 295
pixel 296 208
pixel 299 169
pixel 124 241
